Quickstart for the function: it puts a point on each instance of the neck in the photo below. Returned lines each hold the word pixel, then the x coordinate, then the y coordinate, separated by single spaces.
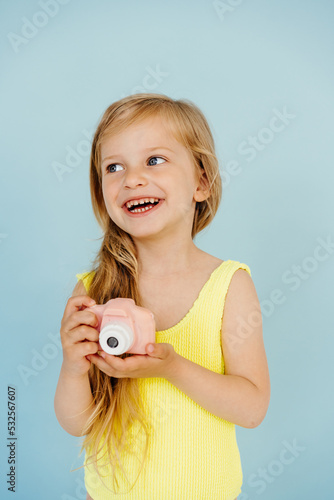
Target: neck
pixel 163 258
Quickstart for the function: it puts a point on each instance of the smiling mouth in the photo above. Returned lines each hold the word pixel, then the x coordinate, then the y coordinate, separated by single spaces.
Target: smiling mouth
pixel 142 207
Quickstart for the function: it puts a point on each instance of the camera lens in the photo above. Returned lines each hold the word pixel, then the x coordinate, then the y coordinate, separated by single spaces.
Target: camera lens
pixel 112 342
pixel 116 337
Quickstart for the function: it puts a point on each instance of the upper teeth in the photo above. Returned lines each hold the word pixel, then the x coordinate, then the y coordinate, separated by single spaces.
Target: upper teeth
pixel 129 204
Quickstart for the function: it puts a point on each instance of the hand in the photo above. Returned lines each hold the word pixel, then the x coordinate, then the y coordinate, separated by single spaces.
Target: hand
pixel 79 336
pixel 161 362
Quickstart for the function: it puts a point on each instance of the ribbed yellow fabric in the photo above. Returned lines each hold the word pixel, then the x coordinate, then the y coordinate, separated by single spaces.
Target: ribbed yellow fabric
pixel 193 454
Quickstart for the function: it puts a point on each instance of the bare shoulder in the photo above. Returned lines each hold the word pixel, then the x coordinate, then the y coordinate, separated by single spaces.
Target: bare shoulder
pixel 241 292
pixel 242 319
pixel 79 289
pixel 242 333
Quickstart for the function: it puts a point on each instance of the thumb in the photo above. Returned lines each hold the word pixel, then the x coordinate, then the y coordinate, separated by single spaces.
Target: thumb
pixel 155 350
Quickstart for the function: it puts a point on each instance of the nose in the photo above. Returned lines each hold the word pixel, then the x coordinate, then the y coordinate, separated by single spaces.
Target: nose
pixel 134 177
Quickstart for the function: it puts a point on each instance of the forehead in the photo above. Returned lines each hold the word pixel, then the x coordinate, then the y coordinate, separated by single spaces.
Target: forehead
pixel 151 131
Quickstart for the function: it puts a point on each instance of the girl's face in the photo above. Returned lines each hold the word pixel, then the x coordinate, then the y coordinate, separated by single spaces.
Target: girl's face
pixel 146 161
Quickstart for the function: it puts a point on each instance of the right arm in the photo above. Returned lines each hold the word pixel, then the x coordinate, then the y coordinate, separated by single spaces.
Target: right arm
pixel 73 400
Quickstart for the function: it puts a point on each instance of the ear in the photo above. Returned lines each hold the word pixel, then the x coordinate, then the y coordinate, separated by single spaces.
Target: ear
pixel 203 190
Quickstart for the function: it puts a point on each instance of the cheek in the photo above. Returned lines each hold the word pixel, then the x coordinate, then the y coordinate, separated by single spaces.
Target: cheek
pixel 107 191
pixel 104 193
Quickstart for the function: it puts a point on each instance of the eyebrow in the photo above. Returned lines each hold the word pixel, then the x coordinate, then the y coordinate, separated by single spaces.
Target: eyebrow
pixel 145 150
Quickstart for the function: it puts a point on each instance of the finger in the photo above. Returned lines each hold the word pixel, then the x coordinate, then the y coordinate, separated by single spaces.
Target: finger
pixel 156 350
pixel 104 366
pixel 86 349
pixel 80 334
pixel 84 333
pixel 81 318
pixel 114 362
pixel 81 350
pixel 76 303
pixel 127 367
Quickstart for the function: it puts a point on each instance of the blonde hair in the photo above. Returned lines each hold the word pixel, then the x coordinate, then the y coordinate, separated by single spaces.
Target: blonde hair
pixel 118 401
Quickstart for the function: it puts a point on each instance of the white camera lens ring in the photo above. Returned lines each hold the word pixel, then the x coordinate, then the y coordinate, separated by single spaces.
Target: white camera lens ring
pixel 122 334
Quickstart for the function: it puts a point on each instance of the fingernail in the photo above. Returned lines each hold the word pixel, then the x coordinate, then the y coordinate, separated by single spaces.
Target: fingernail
pixel 150 348
pixel 101 353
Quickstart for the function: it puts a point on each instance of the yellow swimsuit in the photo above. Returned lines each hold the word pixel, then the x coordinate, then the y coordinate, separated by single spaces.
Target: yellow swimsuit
pixel 193 454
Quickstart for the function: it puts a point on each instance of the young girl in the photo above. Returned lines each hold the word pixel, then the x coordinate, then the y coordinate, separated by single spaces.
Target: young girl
pixel 161 425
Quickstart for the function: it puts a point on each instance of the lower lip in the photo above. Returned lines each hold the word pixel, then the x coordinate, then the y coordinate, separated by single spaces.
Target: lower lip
pixel 142 214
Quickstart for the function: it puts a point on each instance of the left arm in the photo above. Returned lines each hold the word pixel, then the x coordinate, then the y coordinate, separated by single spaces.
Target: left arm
pixel 231 397
pixel 242 394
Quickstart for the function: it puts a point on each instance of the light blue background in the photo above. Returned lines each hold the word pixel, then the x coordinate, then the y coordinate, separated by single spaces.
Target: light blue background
pixel 238 68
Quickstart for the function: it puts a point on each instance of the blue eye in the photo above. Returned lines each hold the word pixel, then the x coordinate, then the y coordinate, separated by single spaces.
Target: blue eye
pixel 156 157
pixel 110 166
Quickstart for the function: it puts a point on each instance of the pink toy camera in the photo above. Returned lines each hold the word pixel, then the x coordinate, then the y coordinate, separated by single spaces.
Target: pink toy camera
pixel 124 326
